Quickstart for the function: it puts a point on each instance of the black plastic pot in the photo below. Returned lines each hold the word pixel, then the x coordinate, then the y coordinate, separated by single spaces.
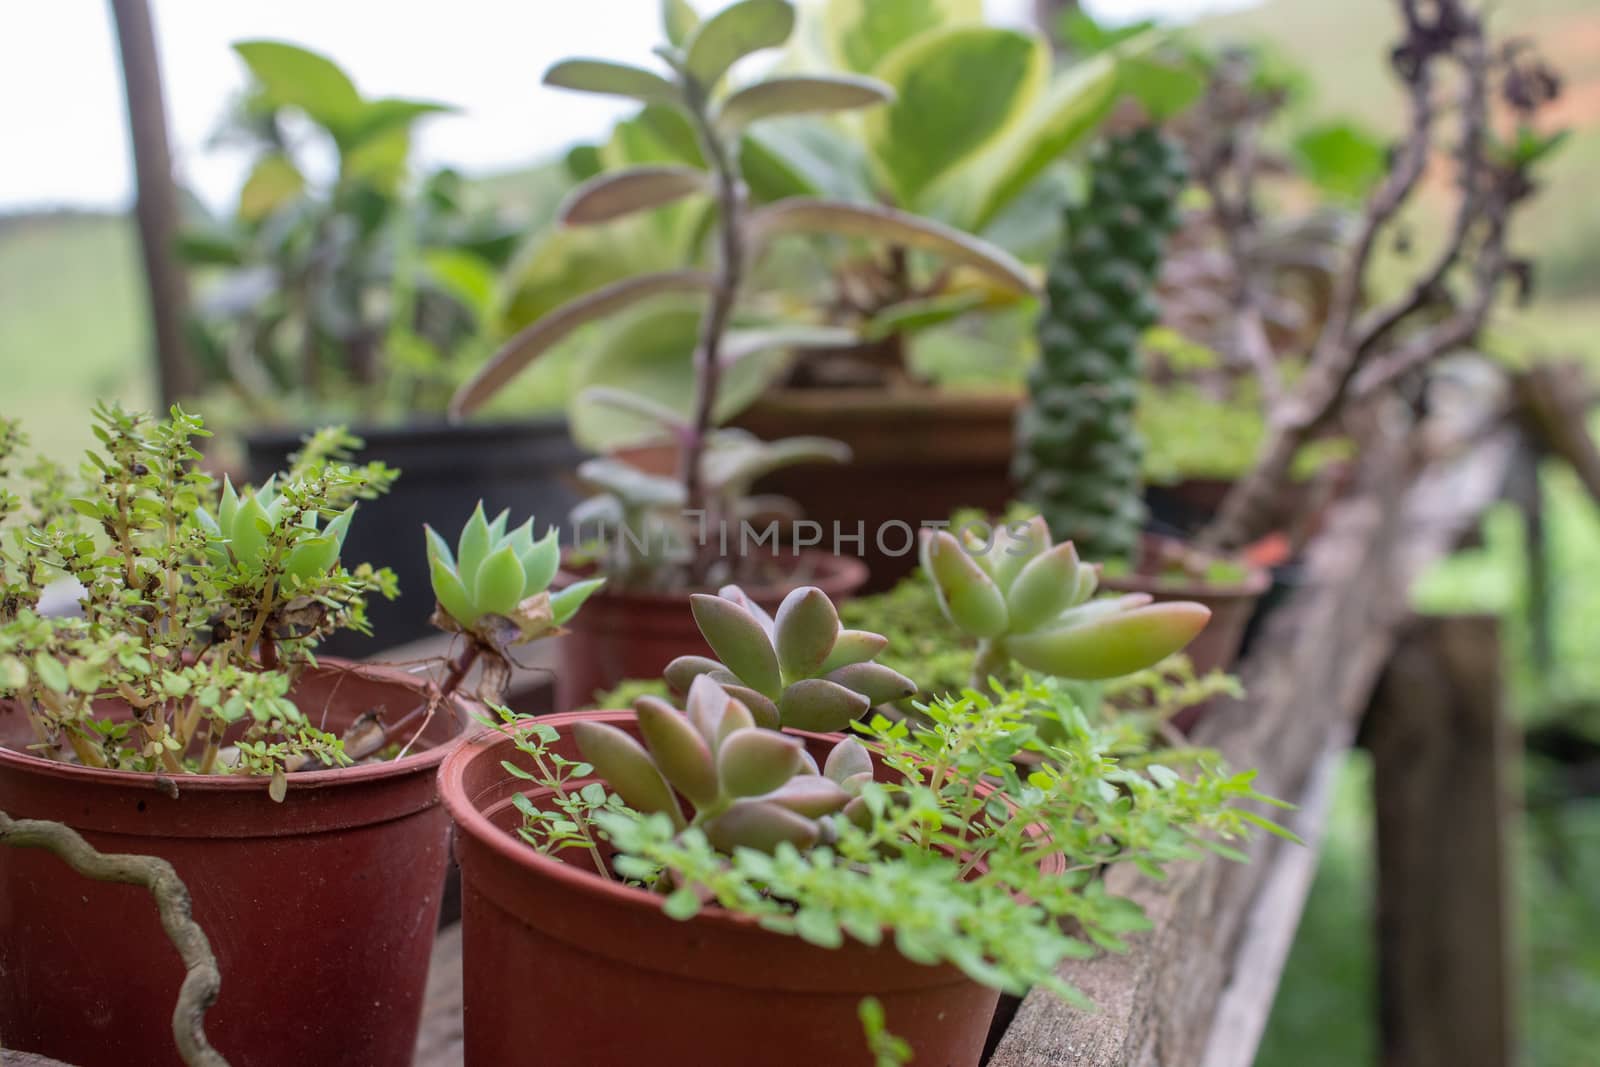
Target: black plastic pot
pixel 445 470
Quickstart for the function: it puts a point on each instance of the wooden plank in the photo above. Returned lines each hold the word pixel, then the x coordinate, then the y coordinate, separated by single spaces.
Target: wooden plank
pixel 1441 754
pixel 1269 930
pixel 1308 683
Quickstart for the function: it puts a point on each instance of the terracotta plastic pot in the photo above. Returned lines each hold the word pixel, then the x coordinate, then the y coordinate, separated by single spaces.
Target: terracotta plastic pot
pixel 1232 606
pixel 621 634
pixel 917 455
pixel 595 973
pixel 320 909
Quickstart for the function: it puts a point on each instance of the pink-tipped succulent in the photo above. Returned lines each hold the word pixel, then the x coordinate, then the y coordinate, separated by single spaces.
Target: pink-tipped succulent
pixel 1029 600
pixel 799 669
pixel 748 787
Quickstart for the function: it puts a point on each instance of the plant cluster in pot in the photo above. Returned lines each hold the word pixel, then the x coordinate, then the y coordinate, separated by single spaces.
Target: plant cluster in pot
pixel 364 298
pixel 626 870
pixel 1079 453
pixel 674 512
pixel 181 713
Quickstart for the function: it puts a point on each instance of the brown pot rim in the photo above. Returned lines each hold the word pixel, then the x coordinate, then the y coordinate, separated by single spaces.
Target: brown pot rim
pixel 867 401
pixel 420 760
pixel 834 574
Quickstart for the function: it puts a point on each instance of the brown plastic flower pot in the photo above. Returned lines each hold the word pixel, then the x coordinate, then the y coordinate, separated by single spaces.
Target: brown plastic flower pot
pixel 623 634
pixel 1232 605
pixel 916 455
pixel 564 967
pixel 320 909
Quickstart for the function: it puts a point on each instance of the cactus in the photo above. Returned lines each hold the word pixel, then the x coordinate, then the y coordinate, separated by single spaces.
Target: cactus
pixel 750 787
pixel 799 669
pixel 246 527
pixel 497 576
pixel 1028 600
pixel 1078 451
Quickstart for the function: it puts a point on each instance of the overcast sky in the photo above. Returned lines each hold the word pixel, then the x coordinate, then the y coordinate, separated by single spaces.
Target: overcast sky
pixel 62 133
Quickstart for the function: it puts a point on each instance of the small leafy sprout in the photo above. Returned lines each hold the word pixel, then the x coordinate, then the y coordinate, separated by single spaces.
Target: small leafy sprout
pixel 1028 600
pixel 496 582
pixel 749 787
pixel 246 528
pixel 800 669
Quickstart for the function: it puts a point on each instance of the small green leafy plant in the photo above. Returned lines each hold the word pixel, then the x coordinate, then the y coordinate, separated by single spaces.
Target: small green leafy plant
pixel 953 854
pixel 200 604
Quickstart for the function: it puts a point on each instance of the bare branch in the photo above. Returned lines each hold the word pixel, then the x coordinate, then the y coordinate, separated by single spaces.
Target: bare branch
pixel 203 982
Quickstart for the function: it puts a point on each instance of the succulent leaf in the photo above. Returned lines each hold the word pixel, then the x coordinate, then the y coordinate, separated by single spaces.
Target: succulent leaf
pixel 878 683
pixel 753 762
pixel 679 751
pixel 806 628
pixel 739 641
pixel 810 795
pixel 1015 548
pixel 498 587
pixel 624 764
pixel 761 825
pixel 763 712
pixel 1111 645
pixel 821 706
pixel 451 594
pixel 969 596
pixel 565 604
pixel 540 558
pixel 473 546
pixel 848 759
pixel 853 646
pixel 743 599
pixel 681 672
pixel 1044 588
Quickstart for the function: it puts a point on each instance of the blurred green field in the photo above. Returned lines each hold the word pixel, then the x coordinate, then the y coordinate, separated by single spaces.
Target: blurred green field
pixel 72 324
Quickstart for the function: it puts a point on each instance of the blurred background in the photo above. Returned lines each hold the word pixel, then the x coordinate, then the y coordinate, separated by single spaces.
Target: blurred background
pixel 480 183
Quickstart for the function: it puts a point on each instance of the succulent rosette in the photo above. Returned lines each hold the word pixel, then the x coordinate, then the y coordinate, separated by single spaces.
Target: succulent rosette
pixel 250 527
pixel 749 787
pixel 800 668
pixel 496 582
pixel 1031 601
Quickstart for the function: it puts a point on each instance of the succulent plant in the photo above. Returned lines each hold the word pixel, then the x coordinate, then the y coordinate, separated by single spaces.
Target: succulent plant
pixel 497 577
pixel 248 531
pixel 641 517
pixel 750 787
pixel 1078 450
pixel 799 669
pixel 1029 600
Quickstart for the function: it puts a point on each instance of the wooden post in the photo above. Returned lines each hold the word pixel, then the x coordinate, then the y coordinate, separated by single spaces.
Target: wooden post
pixel 1442 783
pixel 157 199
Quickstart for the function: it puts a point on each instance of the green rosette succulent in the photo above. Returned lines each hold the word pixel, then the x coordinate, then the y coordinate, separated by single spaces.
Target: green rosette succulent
pixel 496 582
pixel 256 527
pixel 749 787
pixel 800 668
pixel 1029 600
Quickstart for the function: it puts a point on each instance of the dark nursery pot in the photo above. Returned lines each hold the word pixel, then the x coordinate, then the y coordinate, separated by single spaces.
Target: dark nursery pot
pixel 916 455
pixel 622 634
pixel 1232 607
pixel 600 975
pixel 320 909
pixel 445 470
